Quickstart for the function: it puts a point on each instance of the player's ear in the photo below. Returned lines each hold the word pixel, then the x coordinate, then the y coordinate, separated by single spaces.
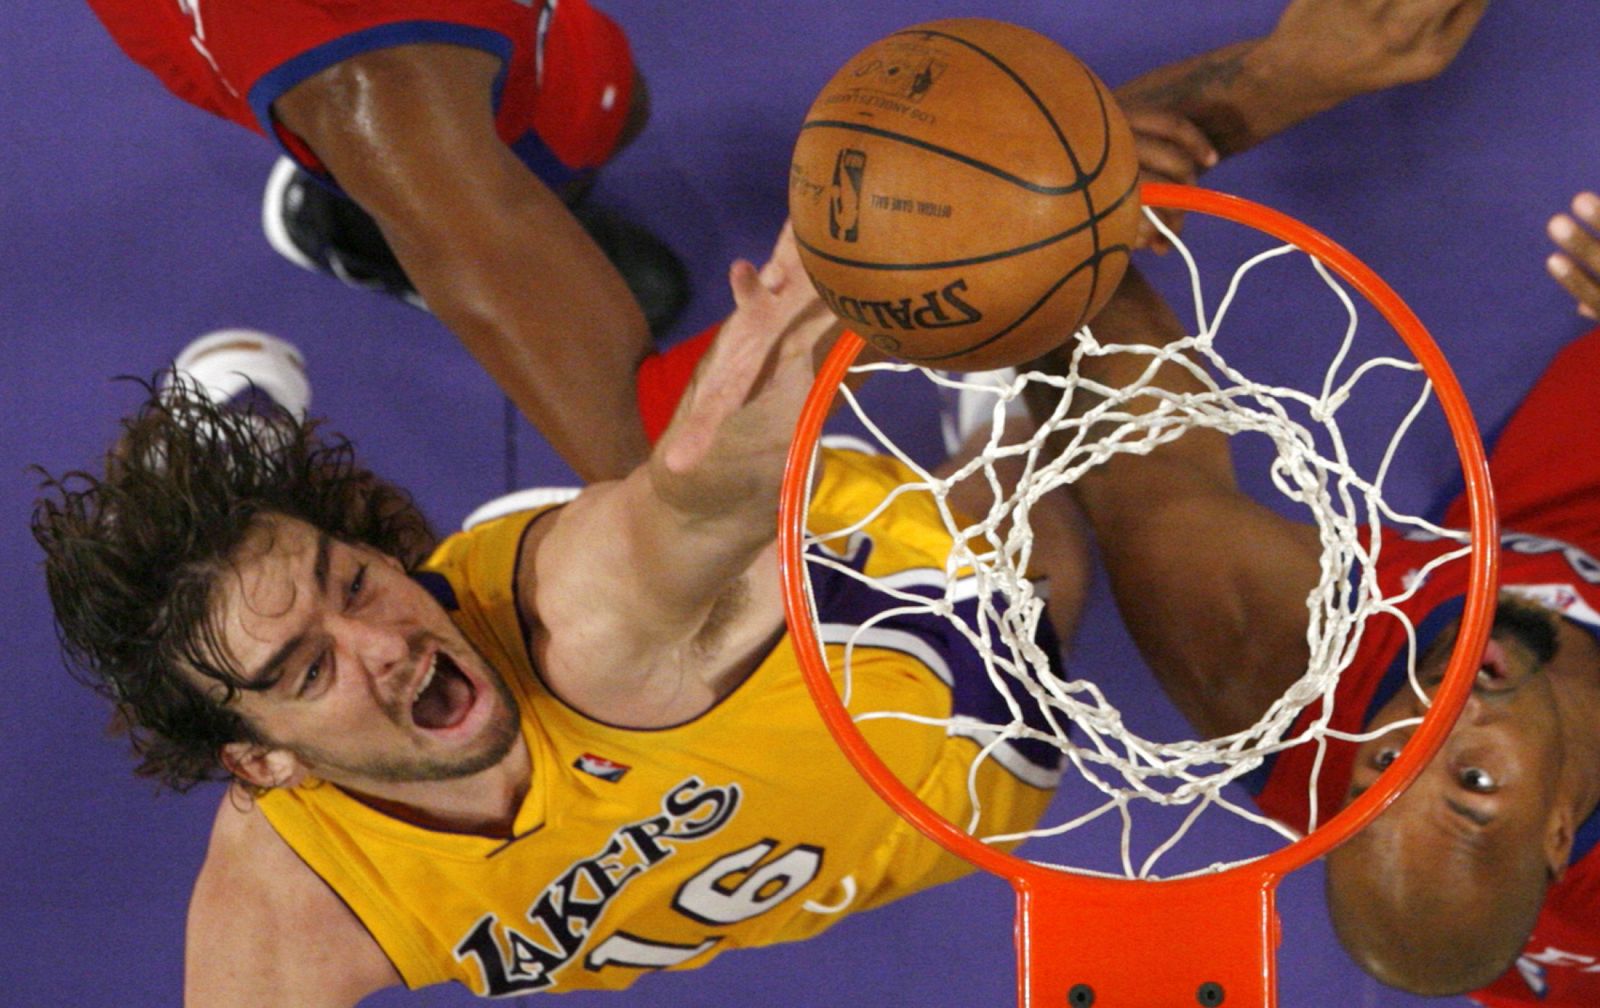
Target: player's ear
pixel 1558 838
pixel 260 766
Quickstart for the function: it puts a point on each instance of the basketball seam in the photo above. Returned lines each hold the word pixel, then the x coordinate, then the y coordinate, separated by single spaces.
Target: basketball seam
pixel 971 162
pixel 1092 262
pixel 972 261
pixel 1092 220
pixel 1033 96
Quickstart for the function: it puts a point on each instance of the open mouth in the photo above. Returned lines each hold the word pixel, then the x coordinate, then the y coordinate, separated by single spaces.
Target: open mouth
pixel 444 697
pixel 1494 671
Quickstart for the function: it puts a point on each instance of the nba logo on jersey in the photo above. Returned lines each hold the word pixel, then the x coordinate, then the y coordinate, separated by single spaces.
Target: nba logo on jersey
pixel 599 766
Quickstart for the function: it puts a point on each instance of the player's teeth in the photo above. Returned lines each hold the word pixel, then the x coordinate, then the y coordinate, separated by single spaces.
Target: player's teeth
pixel 433 668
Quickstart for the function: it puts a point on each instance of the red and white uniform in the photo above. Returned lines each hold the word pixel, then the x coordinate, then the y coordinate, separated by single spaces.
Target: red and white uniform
pixel 1546 470
pixel 560 103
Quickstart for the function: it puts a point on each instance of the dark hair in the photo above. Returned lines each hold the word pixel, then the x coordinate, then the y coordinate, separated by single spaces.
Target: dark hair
pixel 133 558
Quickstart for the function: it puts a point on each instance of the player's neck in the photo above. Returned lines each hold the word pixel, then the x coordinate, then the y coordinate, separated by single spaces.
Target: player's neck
pixel 485 803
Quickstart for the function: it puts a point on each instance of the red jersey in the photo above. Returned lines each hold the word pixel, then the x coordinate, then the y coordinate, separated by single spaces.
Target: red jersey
pixel 560 103
pixel 1547 479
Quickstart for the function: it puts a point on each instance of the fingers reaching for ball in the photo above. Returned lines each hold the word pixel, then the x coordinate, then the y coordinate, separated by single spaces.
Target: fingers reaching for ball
pixel 783 265
pixel 747 390
pixel 1577 265
pixel 1170 148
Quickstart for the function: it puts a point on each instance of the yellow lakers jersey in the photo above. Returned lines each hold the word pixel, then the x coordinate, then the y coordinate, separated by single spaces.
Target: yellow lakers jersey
pixel 640 850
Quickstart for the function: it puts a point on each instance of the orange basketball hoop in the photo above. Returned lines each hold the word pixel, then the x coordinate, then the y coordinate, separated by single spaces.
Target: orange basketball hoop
pixel 1210 937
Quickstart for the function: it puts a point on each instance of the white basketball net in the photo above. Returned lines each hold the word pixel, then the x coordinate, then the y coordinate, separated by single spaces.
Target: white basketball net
pixel 1126 769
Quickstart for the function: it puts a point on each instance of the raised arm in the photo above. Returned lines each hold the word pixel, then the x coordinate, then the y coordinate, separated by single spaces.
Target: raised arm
pixel 642 589
pixel 1211 584
pixel 409 134
pixel 1320 53
pixel 1187 115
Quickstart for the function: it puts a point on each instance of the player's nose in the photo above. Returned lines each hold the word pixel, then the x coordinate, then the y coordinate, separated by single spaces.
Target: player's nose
pixel 382 650
pixel 1477 711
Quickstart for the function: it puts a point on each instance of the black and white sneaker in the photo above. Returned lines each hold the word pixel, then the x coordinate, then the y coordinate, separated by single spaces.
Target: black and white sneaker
pixel 232 384
pixel 653 274
pixel 319 230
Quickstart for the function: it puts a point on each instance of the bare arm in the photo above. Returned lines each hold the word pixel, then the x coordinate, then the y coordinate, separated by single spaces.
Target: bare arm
pixel 1211 584
pixel 1189 114
pixel 409 133
pixel 1320 53
pixel 265 931
pixel 643 587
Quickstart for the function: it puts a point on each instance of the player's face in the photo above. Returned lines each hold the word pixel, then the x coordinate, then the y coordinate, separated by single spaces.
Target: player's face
pixel 371 682
pixel 1498 770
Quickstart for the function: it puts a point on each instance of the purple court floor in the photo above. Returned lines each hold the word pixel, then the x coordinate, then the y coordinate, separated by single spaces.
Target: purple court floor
pixel 129 225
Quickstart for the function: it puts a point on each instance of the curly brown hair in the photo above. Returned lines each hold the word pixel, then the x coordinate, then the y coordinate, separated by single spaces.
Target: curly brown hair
pixel 133 558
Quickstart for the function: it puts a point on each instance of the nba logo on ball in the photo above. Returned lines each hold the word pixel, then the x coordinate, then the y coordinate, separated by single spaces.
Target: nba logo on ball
pixel 964 194
pixel 844 208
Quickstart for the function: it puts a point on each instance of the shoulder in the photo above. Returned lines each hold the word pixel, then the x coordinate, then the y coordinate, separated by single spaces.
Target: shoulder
pixel 480 565
pixel 265 929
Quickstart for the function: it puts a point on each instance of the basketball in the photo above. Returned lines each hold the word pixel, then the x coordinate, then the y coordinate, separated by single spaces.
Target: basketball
pixel 964 194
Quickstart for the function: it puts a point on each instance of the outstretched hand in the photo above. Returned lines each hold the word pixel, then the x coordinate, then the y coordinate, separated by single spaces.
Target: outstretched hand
pixel 665 545
pixel 732 430
pixel 1577 265
pixel 1351 47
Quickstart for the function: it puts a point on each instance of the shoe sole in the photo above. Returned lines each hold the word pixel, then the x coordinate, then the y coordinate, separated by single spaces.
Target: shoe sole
pixel 272 200
pixel 518 500
pixel 227 362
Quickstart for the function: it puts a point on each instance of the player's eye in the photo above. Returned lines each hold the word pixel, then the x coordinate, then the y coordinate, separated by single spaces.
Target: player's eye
pixel 316 675
pixel 357 582
pixel 1477 779
pixel 1383 757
